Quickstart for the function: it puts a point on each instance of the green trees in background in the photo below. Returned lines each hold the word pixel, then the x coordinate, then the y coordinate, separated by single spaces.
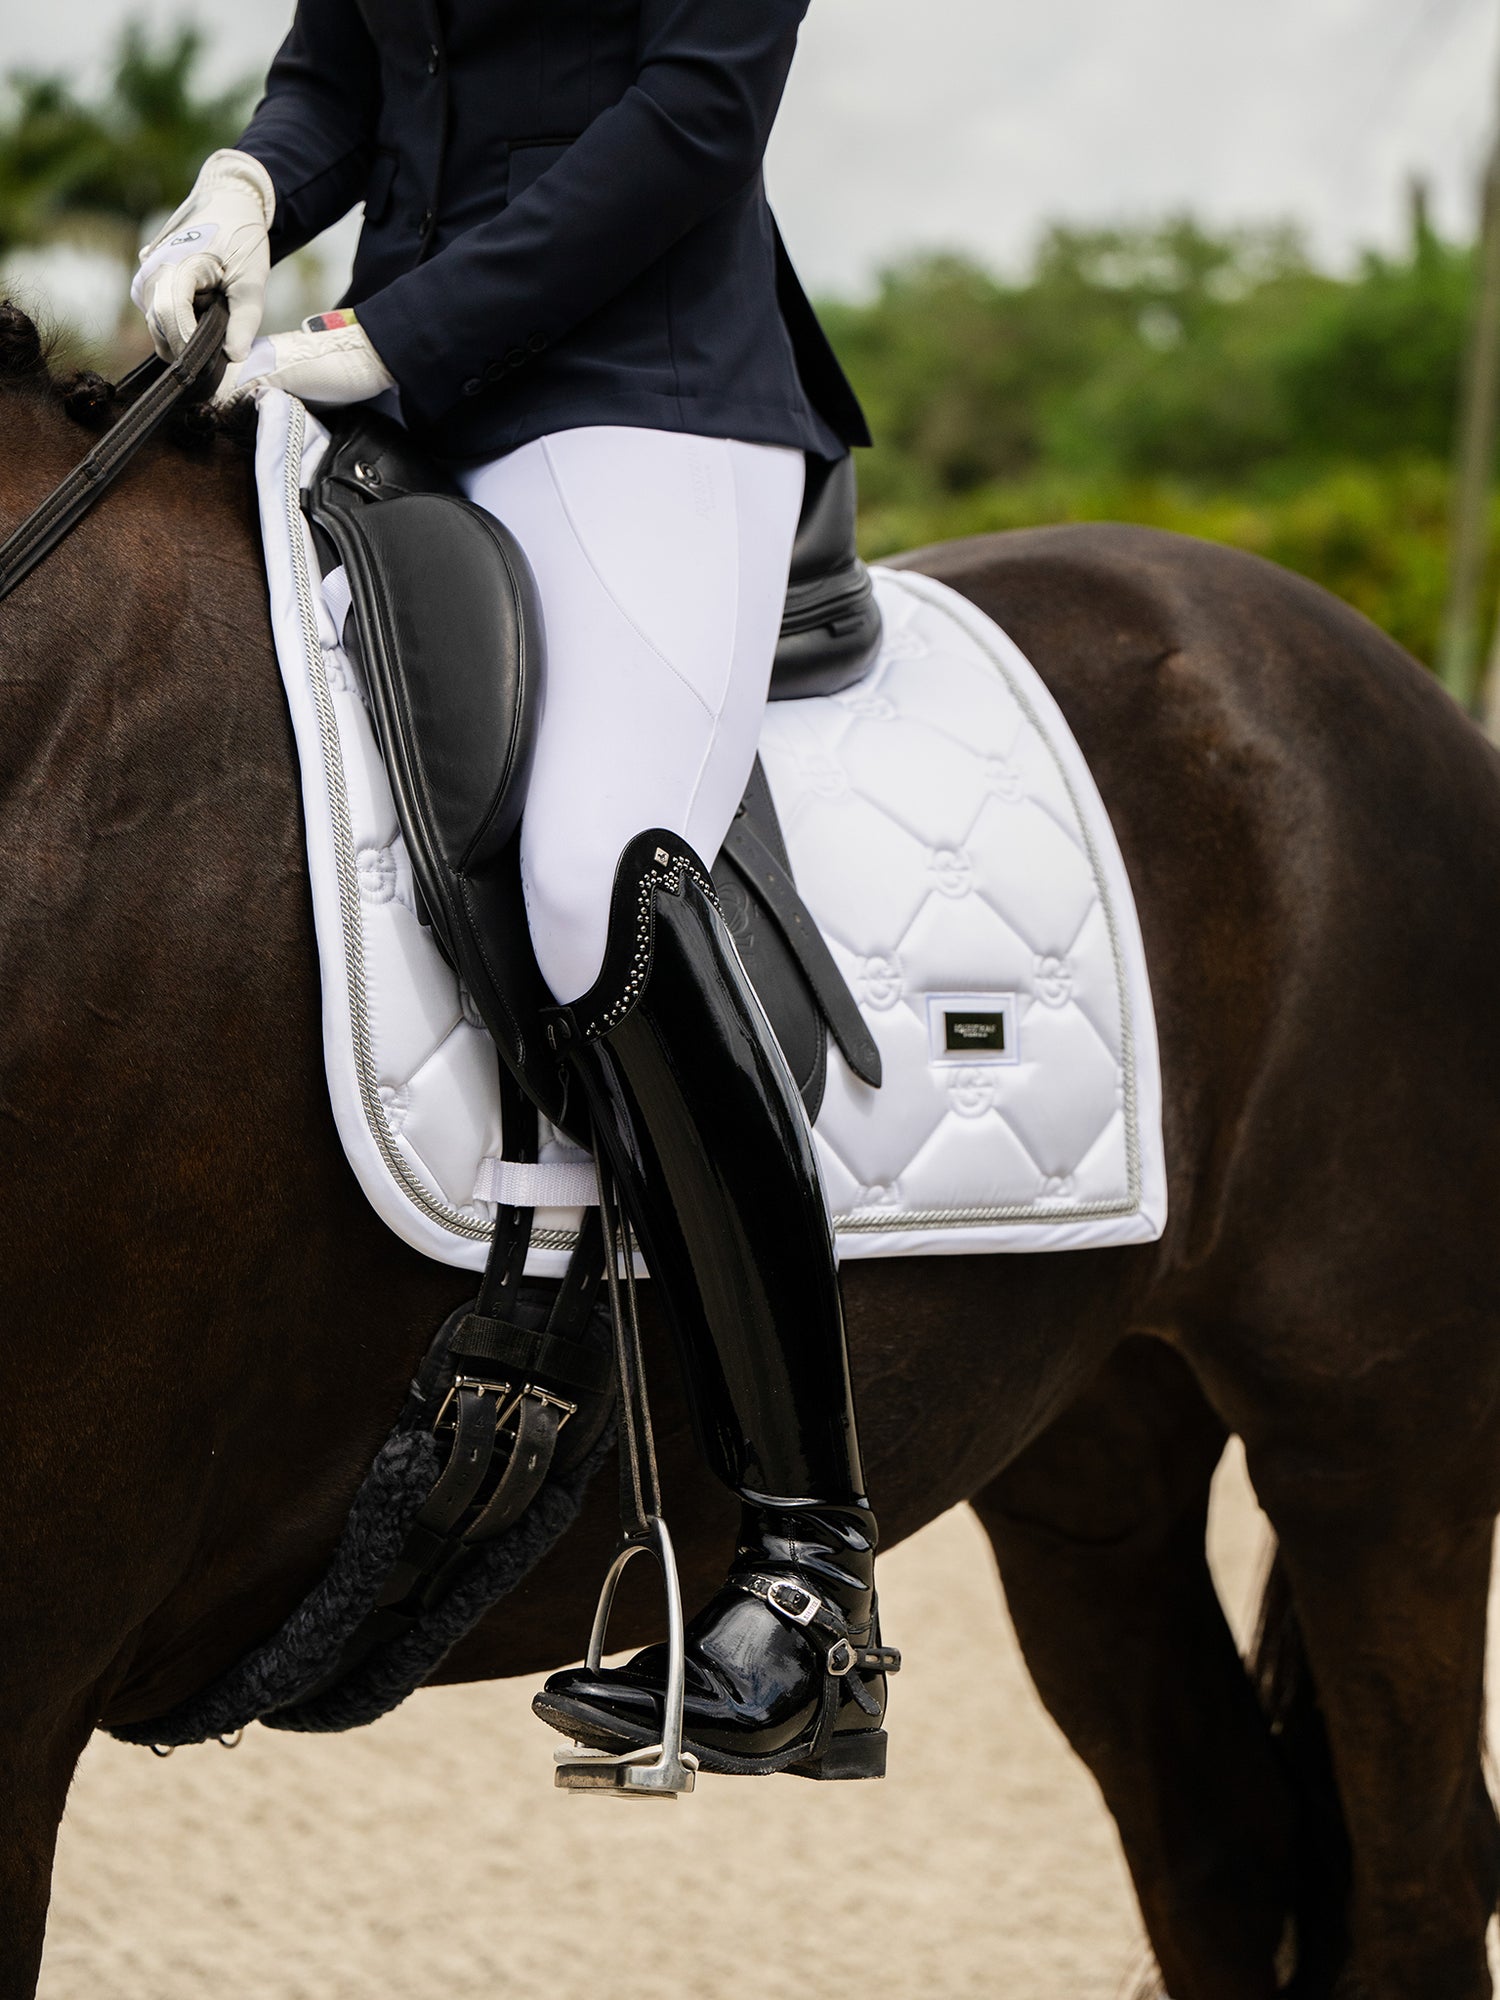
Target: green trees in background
pixel 1213 382
pixel 1218 384
pixel 95 171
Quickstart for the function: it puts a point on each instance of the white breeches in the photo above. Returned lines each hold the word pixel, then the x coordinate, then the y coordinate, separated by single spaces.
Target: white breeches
pixel 661 563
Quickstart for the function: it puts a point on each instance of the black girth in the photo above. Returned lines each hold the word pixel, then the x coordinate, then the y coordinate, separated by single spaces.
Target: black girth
pixel 510 1404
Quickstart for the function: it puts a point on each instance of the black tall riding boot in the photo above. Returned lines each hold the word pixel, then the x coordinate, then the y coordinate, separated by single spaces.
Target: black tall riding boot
pixel 695 1108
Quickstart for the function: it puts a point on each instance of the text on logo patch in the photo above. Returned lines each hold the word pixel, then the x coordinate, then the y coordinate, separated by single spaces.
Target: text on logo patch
pixel 965 1032
pixel 972 1028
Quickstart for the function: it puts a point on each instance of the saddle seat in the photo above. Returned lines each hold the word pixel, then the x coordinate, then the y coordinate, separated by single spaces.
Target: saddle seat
pixel 830 628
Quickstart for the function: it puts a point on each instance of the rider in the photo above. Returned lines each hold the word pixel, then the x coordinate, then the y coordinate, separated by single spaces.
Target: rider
pixel 569 276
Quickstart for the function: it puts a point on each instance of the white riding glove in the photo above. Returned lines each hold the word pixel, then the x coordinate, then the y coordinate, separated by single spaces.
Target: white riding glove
pixel 328 360
pixel 219 236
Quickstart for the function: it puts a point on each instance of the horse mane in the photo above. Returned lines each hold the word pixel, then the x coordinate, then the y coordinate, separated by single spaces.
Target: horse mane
pixel 83 395
pixel 25 357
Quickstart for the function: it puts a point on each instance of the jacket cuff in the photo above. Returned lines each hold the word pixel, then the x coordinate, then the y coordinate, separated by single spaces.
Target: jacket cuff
pixel 431 379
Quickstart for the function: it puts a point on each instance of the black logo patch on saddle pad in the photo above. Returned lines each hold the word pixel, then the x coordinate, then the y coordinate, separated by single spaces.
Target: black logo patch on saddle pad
pixel 972 1027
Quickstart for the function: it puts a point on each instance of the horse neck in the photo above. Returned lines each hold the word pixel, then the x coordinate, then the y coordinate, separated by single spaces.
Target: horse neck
pixel 142 727
pixel 113 644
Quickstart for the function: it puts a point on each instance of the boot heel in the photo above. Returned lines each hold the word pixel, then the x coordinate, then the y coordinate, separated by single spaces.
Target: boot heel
pixel 857 1754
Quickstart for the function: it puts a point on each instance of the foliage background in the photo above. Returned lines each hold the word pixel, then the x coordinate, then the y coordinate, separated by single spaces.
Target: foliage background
pixel 1217 383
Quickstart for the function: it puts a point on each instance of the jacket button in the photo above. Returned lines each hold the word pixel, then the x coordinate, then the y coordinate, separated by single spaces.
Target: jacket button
pixel 494 371
pixel 473 386
pixel 536 342
pixel 434 58
pixel 515 357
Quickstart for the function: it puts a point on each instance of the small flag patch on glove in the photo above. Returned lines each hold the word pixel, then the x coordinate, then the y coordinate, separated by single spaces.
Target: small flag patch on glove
pixel 328 360
pixel 329 322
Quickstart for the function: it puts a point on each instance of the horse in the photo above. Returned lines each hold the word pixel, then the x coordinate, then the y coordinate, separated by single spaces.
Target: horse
pixel 208 1332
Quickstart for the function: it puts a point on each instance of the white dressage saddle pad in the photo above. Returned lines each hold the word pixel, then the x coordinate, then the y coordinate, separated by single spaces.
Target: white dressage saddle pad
pixel 946 835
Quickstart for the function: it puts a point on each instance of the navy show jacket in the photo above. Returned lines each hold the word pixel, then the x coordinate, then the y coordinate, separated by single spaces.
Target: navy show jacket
pixel 565 219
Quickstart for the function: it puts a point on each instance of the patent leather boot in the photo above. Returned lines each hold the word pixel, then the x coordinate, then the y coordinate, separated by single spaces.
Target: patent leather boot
pixel 784 1671
pixel 693 1105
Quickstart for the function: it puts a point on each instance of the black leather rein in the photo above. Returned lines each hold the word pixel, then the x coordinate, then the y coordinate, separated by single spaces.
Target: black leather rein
pixel 65 506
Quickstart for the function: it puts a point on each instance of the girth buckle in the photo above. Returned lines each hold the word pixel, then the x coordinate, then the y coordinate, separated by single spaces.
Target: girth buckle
pixel 504 1409
pixel 551 1402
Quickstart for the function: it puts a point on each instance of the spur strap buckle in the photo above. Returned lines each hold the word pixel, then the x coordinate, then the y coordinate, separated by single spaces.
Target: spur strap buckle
pixel 792 1600
pixel 801 1606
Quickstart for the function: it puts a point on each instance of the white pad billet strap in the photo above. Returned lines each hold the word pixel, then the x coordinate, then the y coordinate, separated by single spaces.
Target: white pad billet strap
pixel 534 1184
pixel 339 597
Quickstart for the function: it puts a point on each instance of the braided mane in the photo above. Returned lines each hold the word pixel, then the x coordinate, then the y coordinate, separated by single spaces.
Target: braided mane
pixel 85 396
pixel 24 360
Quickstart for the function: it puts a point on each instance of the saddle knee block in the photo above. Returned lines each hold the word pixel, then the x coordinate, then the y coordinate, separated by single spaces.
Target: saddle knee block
pixel 450 642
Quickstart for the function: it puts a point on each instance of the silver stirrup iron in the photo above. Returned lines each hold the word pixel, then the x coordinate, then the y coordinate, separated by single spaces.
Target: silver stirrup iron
pixel 660 1769
pixel 653 1770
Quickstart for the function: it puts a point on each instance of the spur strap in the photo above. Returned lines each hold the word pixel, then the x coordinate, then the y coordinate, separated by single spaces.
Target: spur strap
pixel 821 1620
pixel 66 505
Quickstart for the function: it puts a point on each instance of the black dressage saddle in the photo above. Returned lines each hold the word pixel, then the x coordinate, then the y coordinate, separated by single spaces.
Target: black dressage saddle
pixel 449 636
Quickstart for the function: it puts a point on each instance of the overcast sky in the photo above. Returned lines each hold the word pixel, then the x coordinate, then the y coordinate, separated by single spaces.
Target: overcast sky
pixel 969 122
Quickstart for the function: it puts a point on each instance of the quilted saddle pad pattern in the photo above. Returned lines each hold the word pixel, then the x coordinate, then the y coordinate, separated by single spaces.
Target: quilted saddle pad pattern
pixel 947 836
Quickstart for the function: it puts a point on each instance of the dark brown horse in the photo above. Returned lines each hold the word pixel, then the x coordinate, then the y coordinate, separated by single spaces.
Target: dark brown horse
pixel 207 1332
